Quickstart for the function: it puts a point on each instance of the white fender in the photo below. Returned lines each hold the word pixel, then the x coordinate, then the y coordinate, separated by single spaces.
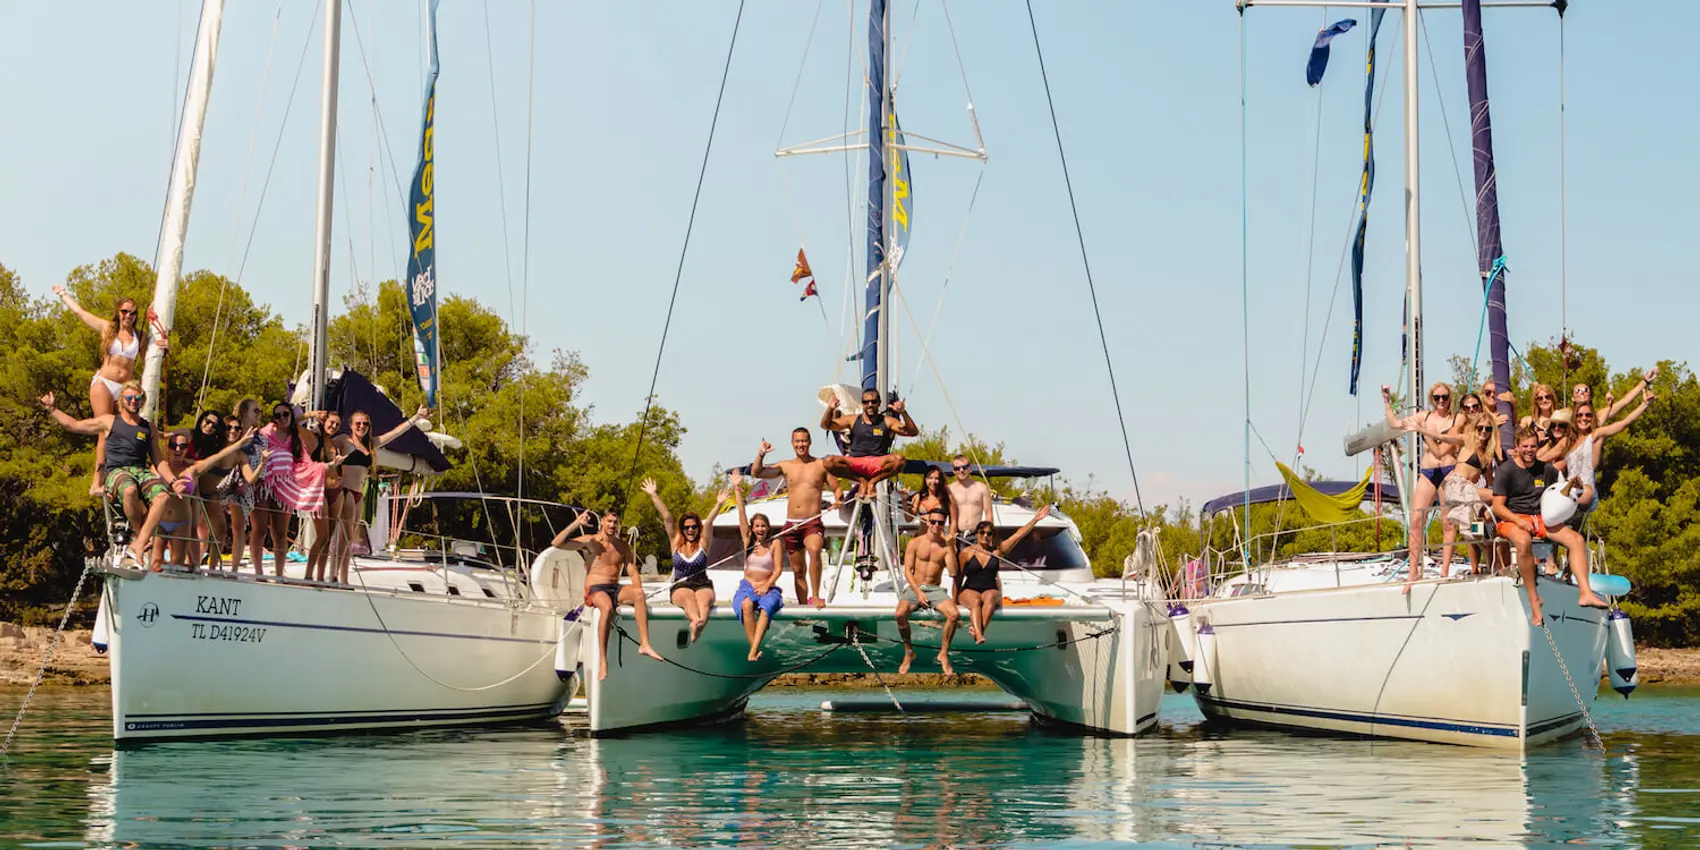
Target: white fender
pixel 1204 659
pixel 1620 653
pixel 1180 640
pixel 557 578
pixel 101 635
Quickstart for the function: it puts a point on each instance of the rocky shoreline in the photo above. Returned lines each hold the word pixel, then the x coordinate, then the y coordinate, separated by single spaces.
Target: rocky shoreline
pixel 76 663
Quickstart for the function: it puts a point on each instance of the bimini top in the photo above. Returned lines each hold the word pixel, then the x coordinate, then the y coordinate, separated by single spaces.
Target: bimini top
pixel 1280 492
pixel 920 467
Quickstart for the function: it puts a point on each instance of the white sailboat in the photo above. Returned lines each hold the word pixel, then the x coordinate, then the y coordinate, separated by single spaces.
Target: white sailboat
pixel 446 633
pixel 1334 642
pixel 1079 652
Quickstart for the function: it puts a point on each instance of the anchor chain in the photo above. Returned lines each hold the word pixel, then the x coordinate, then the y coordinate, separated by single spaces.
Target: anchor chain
pixel 856 641
pixel 1587 716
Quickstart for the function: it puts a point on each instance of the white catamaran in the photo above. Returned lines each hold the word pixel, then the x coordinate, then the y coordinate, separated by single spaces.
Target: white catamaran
pixel 443 632
pixel 1336 642
pixel 1084 653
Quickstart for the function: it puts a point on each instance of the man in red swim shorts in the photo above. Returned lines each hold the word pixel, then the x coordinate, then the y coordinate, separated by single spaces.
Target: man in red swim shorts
pixel 1517 487
pixel 806 479
pixel 869 459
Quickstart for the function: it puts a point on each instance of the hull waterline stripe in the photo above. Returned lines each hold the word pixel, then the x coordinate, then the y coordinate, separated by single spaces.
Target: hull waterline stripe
pixel 321 722
pixel 347 712
pixel 1372 719
pixel 361 629
pixel 1217 625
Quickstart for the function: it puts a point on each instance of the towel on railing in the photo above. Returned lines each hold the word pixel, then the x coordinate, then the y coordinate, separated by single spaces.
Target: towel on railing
pixel 296 483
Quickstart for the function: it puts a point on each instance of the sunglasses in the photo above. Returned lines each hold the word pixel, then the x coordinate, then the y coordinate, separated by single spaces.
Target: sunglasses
pixel 177 447
pixel 1440 396
pixel 1470 407
pixel 692 527
pixel 959 468
pixel 870 401
pixel 1584 416
pixel 359 423
pixel 133 399
pixel 1543 398
pixel 935 522
pixel 126 312
pixel 281 414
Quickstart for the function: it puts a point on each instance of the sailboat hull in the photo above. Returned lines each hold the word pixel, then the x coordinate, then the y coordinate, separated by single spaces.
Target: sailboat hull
pixel 201 656
pixel 1454 661
pixel 1100 669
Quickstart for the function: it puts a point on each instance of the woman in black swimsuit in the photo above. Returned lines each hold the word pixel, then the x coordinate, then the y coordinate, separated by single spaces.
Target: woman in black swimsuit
pixel 693 591
pixel 979 588
pixel 933 494
pixel 357 448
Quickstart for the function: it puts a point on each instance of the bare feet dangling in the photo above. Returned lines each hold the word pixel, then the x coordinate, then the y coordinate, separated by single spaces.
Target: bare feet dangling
pixel 1535 617
pixel 696 628
pixel 1589 599
pixel 944 665
pixel 755 655
pixel 602 670
pixel 908 659
pixel 646 649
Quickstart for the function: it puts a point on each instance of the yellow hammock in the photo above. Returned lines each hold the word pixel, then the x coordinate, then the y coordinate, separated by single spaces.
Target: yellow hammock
pixel 1321 506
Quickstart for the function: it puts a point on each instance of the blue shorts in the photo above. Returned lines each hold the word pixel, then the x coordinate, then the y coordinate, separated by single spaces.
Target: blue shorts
pixel 769 602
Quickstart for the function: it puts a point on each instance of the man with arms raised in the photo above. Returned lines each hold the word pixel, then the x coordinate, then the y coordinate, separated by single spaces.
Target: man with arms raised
pixel 926 560
pixel 805 479
pixel 1517 487
pixel 609 556
pixel 870 459
pixel 127 469
pixel 972 497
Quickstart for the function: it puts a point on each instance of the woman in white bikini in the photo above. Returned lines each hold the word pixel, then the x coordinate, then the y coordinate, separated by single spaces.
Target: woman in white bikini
pixel 121 346
pixel 693 592
pixel 1442 431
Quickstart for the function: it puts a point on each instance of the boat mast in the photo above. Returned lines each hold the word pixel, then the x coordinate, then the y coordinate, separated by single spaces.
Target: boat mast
pixel 1413 244
pixel 327 177
pixel 875 323
pixel 178 198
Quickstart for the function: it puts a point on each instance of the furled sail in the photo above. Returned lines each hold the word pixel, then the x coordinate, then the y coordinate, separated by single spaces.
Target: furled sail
pixel 1366 184
pixel 874 298
pixel 1490 255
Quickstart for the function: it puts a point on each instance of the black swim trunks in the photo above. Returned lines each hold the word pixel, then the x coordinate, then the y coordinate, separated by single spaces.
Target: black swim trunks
pixel 613 591
pixel 694 581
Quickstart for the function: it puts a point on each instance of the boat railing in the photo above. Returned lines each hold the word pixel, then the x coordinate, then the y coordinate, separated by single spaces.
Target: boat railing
pixel 192 545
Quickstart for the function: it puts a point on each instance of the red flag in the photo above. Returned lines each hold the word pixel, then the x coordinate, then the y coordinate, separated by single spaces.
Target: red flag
pixel 808 290
pixel 801 270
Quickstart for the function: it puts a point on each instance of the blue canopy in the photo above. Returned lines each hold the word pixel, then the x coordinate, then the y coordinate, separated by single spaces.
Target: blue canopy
pixel 920 467
pixel 1279 492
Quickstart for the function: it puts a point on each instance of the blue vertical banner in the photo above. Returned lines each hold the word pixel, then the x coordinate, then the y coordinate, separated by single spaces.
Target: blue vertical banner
pixel 1366 185
pixel 422 260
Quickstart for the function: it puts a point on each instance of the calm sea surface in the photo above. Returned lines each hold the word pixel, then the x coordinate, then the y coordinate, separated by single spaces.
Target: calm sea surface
pixel 794 776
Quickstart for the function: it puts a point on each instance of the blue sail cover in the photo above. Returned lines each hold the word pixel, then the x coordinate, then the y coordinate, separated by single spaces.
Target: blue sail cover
pixel 1490 254
pixel 876 197
pixel 1318 64
pixel 422 260
pixel 1280 493
pixel 1366 185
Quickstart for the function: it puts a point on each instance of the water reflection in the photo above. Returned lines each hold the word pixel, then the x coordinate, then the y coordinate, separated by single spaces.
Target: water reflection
pixel 794 777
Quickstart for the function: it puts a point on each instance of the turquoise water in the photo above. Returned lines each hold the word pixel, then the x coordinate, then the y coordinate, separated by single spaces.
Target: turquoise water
pixel 796 777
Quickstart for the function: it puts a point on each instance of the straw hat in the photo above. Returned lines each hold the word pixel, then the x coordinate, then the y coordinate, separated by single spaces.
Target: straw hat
pixel 1561 415
pixel 849 398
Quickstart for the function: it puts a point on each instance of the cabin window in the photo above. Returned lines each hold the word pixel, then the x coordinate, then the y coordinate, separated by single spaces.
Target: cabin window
pixel 1048 549
pixel 454 591
pixel 487 591
pixel 416 587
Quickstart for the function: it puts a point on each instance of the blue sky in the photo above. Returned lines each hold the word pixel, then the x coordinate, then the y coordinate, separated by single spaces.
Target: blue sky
pixel 1148 99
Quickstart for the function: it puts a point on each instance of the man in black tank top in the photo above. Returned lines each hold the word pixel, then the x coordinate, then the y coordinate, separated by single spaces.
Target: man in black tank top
pixel 132 450
pixel 869 459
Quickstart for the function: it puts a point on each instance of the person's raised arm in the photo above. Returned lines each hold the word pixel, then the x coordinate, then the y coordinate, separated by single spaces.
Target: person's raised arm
pixel 720 500
pixel 760 469
pixel 1612 428
pixel 566 539
pixel 91 427
pixel 648 486
pixel 904 425
pixel 216 459
pixel 98 323
pixel 832 421
pixel 743 519
pixel 986 504
pixel 395 433
pixel 1613 408
pixel 1009 544
pixel 1387 407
